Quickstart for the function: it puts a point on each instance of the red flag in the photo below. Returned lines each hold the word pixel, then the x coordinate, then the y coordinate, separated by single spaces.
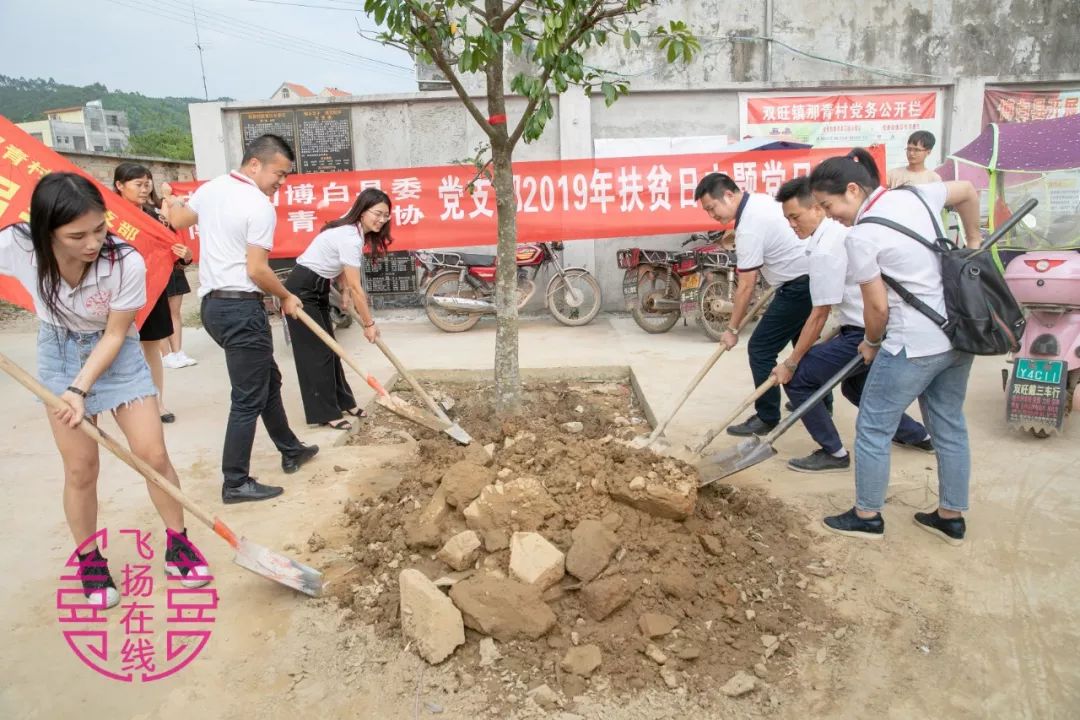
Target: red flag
pixel 24 161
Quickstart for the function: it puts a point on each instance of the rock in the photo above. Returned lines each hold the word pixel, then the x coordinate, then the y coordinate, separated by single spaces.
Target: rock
pixel 769 640
pixel 573 427
pixel 739 684
pixel 545 697
pixel 593 545
pixel 688 652
pixel 425 528
pixel 750 615
pixel 840 633
pixel 535 561
pixel 675 502
pixel 620 421
pixel 726 592
pixel 489 654
pixel 464 480
pixel 711 545
pixel 670 677
pixel 656 625
pixel 822 655
pixel 521 504
pixel 655 654
pixel 428 617
pixel 460 552
pixel 504 473
pixel 606 595
pixel 502 608
pixel 581 661
pixel 339 469
pixel 761 671
pixel 678 582
pixel 579 409
pixel 316 542
pixel 612 521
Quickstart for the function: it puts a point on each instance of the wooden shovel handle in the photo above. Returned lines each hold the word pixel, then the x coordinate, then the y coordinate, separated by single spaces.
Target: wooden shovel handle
pixel 130 459
pixel 341 352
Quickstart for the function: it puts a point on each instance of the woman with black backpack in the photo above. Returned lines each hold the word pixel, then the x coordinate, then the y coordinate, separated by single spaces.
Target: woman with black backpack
pixel 913 358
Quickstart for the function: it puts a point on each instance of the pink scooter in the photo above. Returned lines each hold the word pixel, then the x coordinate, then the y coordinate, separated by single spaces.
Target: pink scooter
pixel 1041 389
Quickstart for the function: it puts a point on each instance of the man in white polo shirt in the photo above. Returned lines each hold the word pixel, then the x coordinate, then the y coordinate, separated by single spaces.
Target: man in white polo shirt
pixel 236 234
pixel 766 244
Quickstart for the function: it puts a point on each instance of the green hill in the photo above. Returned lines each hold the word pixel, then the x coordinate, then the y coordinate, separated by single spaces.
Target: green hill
pixel 159 126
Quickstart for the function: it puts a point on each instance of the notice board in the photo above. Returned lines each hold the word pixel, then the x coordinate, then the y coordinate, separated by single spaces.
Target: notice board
pixel 320 137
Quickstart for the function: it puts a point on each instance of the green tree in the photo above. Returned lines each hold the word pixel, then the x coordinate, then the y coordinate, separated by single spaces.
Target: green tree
pixel 173 143
pixel 547 39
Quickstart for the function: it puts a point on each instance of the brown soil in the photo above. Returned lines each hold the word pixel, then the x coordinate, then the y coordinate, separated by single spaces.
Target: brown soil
pixel 734 575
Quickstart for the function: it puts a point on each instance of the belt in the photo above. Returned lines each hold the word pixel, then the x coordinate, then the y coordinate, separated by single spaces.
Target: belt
pixel 235 295
pixel 852 328
pixel 800 279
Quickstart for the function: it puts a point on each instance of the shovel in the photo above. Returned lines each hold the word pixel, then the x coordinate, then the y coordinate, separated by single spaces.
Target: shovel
pixel 640 442
pixel 256 558
pixel 754 450
pixel 758 392
pixel 394 405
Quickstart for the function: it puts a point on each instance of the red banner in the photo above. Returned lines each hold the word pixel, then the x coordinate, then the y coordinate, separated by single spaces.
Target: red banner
pixel 24 161
pixel 1004 106
pixel 837 108
pixel 556 200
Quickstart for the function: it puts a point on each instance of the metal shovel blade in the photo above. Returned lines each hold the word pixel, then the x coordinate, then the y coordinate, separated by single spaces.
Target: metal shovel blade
pixel 747 453
pixel 279 568
pixel 458 433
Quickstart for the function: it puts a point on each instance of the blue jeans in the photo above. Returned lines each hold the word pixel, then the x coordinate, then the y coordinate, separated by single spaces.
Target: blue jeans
pixel 939 382
pixel 816 368
pixel 779 326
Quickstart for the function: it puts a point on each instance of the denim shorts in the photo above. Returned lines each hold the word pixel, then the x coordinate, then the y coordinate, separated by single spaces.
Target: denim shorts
pixel 62 353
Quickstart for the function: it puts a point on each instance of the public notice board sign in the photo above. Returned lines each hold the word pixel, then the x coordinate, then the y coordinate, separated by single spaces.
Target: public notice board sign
pixel 392 273
pixel 320 137
pixel 1037 394
pixel 847 120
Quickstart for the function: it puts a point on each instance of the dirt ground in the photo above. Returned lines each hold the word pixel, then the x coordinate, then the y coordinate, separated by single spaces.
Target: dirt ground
pixel 904 628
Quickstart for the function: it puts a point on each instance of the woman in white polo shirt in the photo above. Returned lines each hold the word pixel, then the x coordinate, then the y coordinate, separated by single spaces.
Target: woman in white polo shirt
pixel 87 287
pixel 337 250
pixel 912 358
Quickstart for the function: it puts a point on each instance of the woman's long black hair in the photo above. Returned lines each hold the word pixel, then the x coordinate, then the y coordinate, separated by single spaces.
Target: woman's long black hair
pixel 377 243
pixel 834 175
pixel 58 199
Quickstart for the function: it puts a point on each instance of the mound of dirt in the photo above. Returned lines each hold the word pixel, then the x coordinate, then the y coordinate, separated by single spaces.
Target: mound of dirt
pixel 672 588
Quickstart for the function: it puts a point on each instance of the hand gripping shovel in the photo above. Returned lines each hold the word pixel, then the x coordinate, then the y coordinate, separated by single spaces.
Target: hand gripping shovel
pixel 256 558
pixel 640 442
pixel 394 405
pixel 754 450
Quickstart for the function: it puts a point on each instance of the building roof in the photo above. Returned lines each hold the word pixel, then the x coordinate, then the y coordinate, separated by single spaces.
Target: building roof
pixel 64 109
pixel 335 92
pixel 296 89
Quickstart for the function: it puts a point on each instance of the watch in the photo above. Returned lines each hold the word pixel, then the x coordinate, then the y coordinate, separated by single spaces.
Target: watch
pixel 791 365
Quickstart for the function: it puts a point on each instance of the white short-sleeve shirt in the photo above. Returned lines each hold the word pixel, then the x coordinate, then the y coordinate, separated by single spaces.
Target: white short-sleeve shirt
pixel 830 281
pixel 765 241
pixel 874 250
pixel 112 284
pixel 233 213
pixel 332 250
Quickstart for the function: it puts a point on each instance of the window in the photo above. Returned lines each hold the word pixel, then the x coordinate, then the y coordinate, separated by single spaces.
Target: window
pixel 95 124
pixel 284 92
pixel 80 143
pixel 112 120
pixel 38 136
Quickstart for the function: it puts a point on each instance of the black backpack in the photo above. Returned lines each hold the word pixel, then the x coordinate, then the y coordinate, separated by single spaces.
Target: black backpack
pixel 983 316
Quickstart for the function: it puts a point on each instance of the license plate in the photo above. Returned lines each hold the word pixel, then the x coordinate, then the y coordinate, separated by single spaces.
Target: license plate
pixel 630 288
pixel 1039 371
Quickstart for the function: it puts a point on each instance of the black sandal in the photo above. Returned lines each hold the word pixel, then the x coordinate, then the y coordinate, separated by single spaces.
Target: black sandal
pixel 339 424
pixel 359 412
pixel 168 418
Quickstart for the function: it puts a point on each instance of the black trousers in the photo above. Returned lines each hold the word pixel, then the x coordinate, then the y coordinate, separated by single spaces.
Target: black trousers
pixel 323 387
pixel 779 326
pixel 242 330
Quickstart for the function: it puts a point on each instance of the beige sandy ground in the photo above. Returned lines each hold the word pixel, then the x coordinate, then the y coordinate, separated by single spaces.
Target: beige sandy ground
pixel 988 630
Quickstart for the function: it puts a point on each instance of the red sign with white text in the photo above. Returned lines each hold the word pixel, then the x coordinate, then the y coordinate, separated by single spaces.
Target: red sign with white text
pixel 556 200
pixel 24 161
pixel 837 108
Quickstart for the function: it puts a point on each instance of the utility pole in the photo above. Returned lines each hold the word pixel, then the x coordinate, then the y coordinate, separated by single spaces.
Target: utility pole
pixel 198 44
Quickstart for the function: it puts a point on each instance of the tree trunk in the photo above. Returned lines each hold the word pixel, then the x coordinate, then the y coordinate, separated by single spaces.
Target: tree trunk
pixel 507 374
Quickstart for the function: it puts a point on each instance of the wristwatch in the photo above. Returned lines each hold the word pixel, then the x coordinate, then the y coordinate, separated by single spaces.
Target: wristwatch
pixel 871 343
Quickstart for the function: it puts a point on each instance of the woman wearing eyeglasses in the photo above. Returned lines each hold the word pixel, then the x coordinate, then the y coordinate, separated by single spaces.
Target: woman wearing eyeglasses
pixel 337 250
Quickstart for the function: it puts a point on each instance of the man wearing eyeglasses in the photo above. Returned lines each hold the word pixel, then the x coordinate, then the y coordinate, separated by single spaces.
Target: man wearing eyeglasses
pixel 919 146
pixel 236 234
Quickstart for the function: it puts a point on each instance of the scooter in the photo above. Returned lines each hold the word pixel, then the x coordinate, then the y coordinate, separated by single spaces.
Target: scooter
pixel 1041 387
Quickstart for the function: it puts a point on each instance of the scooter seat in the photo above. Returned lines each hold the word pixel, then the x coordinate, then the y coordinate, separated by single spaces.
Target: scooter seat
pixel 475 259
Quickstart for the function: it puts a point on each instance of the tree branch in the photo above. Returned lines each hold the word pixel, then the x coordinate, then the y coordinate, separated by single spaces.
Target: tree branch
pixel 500 22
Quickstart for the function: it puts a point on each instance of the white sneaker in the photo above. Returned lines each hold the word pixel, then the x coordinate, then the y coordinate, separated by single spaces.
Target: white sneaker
pixel 171 361
pixel 185 359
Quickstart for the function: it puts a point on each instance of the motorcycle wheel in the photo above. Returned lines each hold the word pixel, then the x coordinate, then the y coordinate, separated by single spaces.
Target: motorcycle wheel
pixel 712 321
pixel 340 318
pixel 574 297
pixel 661 284
pixel 449 285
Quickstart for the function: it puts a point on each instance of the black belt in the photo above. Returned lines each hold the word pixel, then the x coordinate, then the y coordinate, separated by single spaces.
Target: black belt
pixel 235 295
pixel 800 279
pixel 852 328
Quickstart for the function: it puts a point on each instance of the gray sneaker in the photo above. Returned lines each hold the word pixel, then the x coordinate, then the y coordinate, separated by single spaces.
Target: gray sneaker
pixel 820 461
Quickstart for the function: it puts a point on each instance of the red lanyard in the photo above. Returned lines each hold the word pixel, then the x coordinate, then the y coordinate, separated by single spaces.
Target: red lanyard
pixel 872 201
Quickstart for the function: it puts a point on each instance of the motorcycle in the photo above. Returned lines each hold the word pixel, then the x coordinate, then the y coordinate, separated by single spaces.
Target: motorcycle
pixel 652 283
pixel 1041 387
pixel 459 288
pixel 708 294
